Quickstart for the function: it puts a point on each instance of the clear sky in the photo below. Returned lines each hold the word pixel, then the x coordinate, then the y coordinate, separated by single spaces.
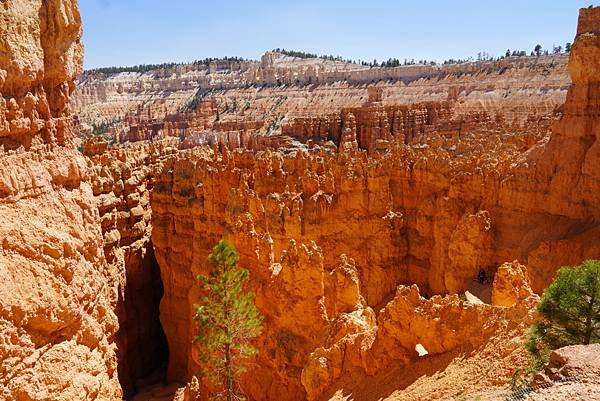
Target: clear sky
pixel 129 32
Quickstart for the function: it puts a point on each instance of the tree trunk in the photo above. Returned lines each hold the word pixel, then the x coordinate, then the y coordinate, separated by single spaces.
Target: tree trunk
pixel 588 331
pixel 229 373
pixel 589 328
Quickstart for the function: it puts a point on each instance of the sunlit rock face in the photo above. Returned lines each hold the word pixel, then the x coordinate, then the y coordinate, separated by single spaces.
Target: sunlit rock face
pixel 362 201
pixel 57 323
pixel 121 181
pixel 337 234
pixel 191 102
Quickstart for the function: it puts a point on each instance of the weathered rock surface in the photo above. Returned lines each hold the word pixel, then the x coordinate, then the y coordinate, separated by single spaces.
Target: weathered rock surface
pixel 362 201
pixel 57 321
pixel 572 373
pixel 122 179
pixel 511 283
pixel 430 209
pixel 511 95
pixel 574 362
pixel 330 205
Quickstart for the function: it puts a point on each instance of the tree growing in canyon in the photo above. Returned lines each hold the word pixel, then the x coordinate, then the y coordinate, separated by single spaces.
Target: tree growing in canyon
pixel 227 321
pixel 570 311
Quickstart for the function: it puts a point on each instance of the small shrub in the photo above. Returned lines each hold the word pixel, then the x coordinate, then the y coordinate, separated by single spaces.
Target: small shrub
pixel 570 312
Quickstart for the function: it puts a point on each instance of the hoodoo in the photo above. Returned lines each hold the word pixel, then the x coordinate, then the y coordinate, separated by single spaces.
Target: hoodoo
pixel 432 209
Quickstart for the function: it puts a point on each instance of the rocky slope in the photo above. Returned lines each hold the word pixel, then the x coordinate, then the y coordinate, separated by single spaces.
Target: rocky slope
pixel 57 301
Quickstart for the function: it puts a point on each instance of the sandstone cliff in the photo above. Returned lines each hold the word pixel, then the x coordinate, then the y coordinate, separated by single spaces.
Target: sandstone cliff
pixel 328 240
pixel 57 321
pixel 121 181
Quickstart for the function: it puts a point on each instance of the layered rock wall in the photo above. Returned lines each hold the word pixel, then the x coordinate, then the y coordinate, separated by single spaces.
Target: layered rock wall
pixel 57 321
pixel 564 173
pixel 328 206
pixel 516 93
pixel 385 194
pixel 122 179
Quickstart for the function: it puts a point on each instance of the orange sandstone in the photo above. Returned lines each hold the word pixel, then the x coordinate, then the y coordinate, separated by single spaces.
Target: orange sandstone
pixel 57 320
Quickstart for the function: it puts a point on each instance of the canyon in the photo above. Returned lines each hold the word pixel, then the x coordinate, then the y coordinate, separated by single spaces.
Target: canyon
pixel 363 201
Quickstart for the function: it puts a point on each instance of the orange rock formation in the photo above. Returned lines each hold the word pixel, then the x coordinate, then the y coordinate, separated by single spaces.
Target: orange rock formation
pixel 361 207
pixel 515 94
pixel 57 320
pixel 121 183
pixel 431 212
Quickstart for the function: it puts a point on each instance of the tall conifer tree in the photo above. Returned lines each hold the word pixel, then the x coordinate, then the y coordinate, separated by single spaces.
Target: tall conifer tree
pixel 227 322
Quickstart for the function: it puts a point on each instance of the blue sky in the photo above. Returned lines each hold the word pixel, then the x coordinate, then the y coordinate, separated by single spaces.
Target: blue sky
pixel 129 32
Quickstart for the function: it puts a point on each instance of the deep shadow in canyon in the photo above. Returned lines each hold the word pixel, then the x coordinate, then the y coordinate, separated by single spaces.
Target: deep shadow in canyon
pixel 143 349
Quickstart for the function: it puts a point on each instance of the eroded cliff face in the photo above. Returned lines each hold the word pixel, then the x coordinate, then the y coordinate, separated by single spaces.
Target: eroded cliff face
pixel 328 239
pixel 57 323
pixel 564 173
pixel 122 179
pixel 514 94
pixel 335 237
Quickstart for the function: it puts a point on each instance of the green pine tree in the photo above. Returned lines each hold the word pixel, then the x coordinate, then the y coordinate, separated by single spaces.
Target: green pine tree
pixel 227 321
pixel 570 311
